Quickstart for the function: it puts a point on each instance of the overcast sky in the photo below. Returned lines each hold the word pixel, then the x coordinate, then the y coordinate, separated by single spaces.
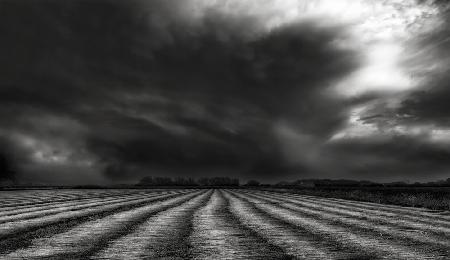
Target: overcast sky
pixel 108 91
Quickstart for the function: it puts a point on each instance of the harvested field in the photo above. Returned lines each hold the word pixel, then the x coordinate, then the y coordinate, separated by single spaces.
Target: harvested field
pixel 213 224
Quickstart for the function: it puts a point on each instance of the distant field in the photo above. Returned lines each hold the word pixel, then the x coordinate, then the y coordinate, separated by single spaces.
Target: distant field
pixel 213 224
pixel 437 198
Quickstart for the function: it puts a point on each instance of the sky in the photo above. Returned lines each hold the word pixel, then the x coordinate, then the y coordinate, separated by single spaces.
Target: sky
pixel 109 91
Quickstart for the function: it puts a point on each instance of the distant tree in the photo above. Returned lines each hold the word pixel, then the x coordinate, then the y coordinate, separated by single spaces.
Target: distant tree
pixel 218 181
pixel 191 182
pixel 397 184
pixel 163 181
pixel 283 183
pixel 180 181
pixel 252 183
pixel 203 181
pixel 304 183
pixel 147 181
pixel 156 181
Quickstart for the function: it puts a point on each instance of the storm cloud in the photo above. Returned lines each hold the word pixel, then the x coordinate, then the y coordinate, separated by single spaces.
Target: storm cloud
pixel 116 90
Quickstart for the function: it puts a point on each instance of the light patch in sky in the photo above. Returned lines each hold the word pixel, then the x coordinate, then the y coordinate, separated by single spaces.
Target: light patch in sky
pixel 379 30
pixel 358 129
pixel 371 20
pixel 382 72
pixel 41 152
pixel 429 133
pixel 440 135
pixel 355 128
pixel 45 152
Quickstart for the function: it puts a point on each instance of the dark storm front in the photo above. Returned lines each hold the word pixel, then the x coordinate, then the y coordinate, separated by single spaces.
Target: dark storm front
pixel 109 91
pixel 213 224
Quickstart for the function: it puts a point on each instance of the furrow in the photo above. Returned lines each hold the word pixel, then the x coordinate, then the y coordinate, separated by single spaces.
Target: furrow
pixel 397 221
pixel 293 241
pixel 217 234
pixel 438 222
pixel 48 200
pixel 163 235
pixel 426 214
pixel 347 238
pixel 83 240
pixel 19 234
pixel 51 205
pixel 65 207
pixel 437 246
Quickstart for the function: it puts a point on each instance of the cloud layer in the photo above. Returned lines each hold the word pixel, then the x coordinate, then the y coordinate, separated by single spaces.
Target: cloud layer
pixel 113 91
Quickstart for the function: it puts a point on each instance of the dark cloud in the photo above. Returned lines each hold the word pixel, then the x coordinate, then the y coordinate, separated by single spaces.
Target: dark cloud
pixel 153 90
pixel 394 158
pixel 258 81
pixel 137 87
pixel 427 104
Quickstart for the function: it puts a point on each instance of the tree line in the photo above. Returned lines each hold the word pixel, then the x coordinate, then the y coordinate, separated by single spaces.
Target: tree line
pixel 167 181
pixel 305 183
